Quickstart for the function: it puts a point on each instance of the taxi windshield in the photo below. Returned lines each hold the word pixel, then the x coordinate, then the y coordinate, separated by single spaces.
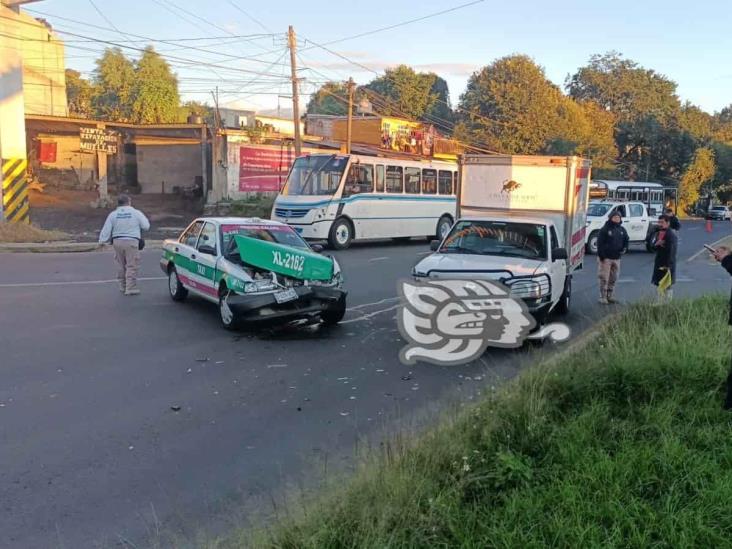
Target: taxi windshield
pixel 315 175
pixel 497 238
pixel 279 234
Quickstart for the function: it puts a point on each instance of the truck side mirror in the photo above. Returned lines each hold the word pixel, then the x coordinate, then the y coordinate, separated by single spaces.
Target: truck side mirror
pixel 559 253
pixel 434 245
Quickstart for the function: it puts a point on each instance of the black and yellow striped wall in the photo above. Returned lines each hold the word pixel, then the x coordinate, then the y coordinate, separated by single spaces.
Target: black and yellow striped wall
pixel 16 207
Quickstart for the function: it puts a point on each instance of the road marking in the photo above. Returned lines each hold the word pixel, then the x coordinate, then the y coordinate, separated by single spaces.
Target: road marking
pixel 73 282
pixel 378 259
pixel 626 280
pixel 425 253
pixel 369 315
pixel 380 302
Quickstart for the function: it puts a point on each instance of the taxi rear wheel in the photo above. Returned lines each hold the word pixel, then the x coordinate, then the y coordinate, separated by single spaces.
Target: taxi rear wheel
pixel 176 289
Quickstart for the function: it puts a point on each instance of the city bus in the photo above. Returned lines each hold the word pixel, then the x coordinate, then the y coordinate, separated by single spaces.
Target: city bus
pixel 346 197
pixel 654 195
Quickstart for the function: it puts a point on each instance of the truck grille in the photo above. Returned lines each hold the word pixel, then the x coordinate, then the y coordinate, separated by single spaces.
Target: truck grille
pixel 290 213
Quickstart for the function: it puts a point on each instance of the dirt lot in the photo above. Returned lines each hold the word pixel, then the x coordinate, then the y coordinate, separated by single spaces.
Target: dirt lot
pixel 71 212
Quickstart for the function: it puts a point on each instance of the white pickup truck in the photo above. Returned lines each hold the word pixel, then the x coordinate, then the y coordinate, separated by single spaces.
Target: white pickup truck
pixel 521 221
pixel 636 218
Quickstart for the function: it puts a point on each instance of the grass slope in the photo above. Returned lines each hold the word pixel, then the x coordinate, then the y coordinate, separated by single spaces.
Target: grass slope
pixel 22 232
pixel 620 444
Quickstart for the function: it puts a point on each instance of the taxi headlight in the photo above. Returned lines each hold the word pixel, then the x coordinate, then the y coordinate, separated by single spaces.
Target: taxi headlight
pixel 259 286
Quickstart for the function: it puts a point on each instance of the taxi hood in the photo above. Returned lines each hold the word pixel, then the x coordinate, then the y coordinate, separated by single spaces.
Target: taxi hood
pixel 285 260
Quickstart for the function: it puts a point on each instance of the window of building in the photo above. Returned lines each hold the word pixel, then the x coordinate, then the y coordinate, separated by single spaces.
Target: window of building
pixel 429 181
pixel 412 177
pixel 394 179
pixel 379 179
pixel 445 180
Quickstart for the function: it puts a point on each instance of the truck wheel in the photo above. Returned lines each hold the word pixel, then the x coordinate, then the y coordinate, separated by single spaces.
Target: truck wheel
pixel 334 316
pixel 591 247
pixel 229 319
pixel 341 234
pixel 443 227
pixel 176 289
pixel 566 300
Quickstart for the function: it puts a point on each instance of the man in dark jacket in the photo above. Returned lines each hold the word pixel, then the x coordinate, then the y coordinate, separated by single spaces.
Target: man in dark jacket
pixel 724 256
pixel 611 243
pixel 674 222
pixel 665 245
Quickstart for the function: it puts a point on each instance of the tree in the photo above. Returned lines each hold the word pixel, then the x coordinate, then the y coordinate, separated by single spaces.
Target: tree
pixel 331 98
pixel 723 124
pixel 196 108
pixel 510 106
pixel 78 94
pixel 698 123
pixel 154 95
pixel 585 129
pixel 403 92
pixel 440 113
pixel 700 171
pixel 113 79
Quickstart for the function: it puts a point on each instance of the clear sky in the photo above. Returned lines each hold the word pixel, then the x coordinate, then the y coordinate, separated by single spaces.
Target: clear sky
pixel 690 42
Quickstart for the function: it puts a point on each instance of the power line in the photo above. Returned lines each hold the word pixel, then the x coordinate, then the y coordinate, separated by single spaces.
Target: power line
pixel 249 16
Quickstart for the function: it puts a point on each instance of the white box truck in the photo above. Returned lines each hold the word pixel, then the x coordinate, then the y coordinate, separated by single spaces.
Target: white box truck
pixel 521 220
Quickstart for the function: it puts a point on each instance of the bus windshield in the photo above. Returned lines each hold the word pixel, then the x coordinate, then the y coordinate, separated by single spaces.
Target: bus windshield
pixel 497 238
pixel 315 175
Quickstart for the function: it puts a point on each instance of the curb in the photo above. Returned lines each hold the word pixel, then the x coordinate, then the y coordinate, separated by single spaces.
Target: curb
pixel 65 247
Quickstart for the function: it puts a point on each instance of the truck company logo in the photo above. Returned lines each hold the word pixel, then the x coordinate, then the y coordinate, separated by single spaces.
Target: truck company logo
pixel 451 322
pixel 509 186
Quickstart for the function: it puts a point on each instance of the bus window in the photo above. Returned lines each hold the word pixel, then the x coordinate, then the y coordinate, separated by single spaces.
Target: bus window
pixel 429 181
pixel 360 180
pixel 394 179
pixel 445 182
pixel 411 180
pixel 379 178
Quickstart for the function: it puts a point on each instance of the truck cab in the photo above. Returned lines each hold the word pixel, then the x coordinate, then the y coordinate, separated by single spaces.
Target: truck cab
pixel 637 221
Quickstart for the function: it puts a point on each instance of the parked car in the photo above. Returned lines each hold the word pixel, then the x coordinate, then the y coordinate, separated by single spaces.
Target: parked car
pixel 255 270
pixel 723 213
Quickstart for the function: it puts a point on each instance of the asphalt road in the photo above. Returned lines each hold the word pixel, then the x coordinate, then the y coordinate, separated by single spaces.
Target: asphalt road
pixel 92 452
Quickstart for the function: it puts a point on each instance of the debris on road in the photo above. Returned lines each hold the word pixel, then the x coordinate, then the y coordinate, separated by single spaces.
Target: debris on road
pixel 344 414
pixel 203 359
pixel 276 365
pixel 175 408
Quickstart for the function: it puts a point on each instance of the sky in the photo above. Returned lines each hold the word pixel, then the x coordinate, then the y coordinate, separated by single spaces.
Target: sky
pixel 689 42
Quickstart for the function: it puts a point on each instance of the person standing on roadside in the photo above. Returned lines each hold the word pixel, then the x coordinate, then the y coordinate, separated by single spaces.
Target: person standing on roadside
pixel 611 243
pixel 123 228
pixel 674 222
pixel 724 256
pixel 664 267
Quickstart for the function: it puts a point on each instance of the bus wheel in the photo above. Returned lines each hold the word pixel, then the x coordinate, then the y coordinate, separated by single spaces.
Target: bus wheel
pixel 341 234
pixel 443 227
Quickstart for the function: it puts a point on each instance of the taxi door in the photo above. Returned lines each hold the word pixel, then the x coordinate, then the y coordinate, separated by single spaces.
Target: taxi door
pixel 182 251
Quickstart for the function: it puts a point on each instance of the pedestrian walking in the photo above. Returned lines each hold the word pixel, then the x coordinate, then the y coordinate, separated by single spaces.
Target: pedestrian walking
pixel 724 256
pixel 611 244
pixel 664 266
pixel 123 228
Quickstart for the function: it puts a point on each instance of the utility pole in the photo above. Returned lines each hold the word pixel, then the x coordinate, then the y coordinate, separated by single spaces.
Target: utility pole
pixel 350 116
pixel 292 43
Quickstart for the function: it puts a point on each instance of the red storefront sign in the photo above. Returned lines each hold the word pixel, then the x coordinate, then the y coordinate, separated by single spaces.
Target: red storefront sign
pixel 47 151
pixel 263 169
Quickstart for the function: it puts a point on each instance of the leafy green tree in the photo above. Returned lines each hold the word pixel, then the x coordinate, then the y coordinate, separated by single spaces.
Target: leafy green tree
pixel 440 114
pixel 196 108
pixel 406 92
pixel 584 129
pixel 723 124
pixel 114 78
pixel 700 171
pixel 699 124
pixel 154 95
pixel 79 92
pixel 331 98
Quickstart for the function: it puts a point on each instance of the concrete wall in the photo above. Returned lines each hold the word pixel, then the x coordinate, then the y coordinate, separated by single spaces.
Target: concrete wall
pixel 283 126
pixel 73 169
pixel 174 165
pixel 42 52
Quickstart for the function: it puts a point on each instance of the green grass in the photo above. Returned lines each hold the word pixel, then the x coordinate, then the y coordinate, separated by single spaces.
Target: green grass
pixel 622 443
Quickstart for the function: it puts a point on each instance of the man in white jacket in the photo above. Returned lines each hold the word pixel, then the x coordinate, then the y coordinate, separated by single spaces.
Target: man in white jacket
pixel 124 228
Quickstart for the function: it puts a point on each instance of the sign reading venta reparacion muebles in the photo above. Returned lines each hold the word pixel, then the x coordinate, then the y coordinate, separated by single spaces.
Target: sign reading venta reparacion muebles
pixel 98 139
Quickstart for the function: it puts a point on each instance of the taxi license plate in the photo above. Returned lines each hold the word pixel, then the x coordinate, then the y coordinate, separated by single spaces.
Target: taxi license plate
pixel 285 296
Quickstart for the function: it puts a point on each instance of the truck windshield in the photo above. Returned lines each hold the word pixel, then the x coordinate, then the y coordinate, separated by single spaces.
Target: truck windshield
pixel 597 210
pixel 315 175
pixel 497 238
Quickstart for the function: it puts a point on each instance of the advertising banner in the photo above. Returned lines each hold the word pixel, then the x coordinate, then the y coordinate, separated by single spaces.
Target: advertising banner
pixel 262 168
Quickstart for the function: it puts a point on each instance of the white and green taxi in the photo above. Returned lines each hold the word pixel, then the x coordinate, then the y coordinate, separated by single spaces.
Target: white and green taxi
pixel 255 270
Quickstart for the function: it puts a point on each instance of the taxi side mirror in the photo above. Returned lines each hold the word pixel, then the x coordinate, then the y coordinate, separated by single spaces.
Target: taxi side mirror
pixel 434 245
